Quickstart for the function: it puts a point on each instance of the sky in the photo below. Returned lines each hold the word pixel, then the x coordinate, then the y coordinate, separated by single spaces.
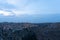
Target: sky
pixel 34 11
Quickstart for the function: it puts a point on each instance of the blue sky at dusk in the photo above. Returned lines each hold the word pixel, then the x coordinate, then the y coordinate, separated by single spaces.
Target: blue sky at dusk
pixel 34 11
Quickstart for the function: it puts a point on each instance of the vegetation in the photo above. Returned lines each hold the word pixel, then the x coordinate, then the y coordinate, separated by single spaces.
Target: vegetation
pixel 29 31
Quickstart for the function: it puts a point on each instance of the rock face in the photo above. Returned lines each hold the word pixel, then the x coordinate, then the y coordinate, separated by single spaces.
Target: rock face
pixel 29 31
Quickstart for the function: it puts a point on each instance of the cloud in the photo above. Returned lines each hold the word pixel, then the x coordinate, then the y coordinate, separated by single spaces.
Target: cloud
pixel 13 2
pixel 8 8
pixel 30 7
pixel 22 7
pixel 12 12
pixel 18 3
pixel 5 13
pixel 22 12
